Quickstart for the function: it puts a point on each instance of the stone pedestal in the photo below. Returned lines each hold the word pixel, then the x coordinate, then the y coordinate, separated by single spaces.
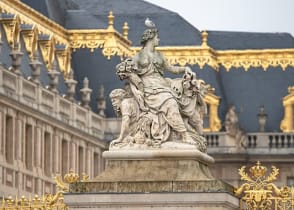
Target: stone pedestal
pixel 153 179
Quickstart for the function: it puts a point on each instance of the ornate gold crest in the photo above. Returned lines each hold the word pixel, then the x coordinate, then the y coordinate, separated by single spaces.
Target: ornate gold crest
pixel 260 193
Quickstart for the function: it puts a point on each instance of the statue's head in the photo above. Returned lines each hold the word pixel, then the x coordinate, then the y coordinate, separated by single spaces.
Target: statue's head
pixel 148 35
pixel 116 97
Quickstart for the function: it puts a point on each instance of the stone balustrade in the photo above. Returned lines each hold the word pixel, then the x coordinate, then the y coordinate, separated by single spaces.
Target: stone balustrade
pixel 52 104
pixel 263 141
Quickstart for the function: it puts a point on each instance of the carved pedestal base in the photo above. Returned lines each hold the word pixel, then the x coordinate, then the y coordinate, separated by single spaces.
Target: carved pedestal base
pixel 154 179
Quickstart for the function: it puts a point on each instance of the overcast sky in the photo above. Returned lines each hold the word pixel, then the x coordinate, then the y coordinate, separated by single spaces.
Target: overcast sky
pixel 235 15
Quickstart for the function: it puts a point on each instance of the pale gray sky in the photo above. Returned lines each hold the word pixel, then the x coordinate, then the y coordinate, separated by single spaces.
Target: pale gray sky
pixel 235 15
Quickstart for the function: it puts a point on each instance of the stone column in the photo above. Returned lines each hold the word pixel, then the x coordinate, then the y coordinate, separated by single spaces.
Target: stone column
pixel 83 165
pixel 12 113
pixel 19 140
pixel 88 161
pixel 1 81
pixel 73 159
pixel 0 46
pixel 1 134
pixel 56 152
pixel 38 142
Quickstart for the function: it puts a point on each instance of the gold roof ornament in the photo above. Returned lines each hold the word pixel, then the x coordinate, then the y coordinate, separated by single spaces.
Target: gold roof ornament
pixel 114 43
pixel 125 30
pixel 259 191
pixel 287 124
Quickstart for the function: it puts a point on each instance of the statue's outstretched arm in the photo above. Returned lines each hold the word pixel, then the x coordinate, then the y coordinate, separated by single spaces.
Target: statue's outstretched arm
pixel 176 69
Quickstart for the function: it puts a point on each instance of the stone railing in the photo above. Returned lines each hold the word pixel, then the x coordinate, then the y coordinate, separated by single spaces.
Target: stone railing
pixel 50 103
pixel 220 142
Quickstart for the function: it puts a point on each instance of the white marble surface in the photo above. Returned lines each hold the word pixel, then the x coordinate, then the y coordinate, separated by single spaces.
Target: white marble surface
pixel 153 201
pixel 191 154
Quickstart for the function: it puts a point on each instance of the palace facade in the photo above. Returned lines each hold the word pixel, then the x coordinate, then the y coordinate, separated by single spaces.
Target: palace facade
pixel 57 68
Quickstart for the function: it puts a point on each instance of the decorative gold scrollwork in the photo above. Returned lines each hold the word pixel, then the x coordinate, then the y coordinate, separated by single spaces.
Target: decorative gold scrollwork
pixel 11 27
pixel 114 43
pixel 63 56
pixel 30 37
pixel 260 193
pixel 47 47
pixel 47 201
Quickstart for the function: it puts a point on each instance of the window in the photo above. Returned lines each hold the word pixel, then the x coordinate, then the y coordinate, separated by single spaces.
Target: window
pixel 96 164
pixel 81 160
pixel 28 146
pixel 9 139
pixel 47 154
pixel 64 160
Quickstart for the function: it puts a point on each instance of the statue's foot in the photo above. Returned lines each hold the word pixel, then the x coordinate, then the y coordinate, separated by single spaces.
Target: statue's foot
pixel 115 142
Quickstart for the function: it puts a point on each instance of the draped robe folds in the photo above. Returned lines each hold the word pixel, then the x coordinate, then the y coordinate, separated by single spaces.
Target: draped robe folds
pixel 158 97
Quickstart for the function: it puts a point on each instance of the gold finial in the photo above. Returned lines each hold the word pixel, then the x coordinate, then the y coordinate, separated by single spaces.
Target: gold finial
pixel 125 30
pixel 10 201
pixel 204 35
pixel 110 20
pixel 71 177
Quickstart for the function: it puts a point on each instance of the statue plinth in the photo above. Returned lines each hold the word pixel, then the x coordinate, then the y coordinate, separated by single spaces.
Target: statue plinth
pixel 154 179
pixel 154 171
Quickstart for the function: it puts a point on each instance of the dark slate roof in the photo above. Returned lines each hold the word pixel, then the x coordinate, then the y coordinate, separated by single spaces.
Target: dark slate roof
pixel 247 90
pixel 223 40
pixel 55 10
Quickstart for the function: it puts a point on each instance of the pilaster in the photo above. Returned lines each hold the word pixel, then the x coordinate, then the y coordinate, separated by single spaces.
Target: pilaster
pixel 1 133
pixel 56 155
pixel 38 142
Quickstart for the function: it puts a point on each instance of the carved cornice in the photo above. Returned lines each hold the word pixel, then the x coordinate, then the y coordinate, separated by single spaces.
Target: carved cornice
pixel 110 40
pixel 255 58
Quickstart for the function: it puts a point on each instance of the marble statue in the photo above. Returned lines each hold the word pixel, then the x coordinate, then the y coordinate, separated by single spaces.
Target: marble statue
pixel 158 111
pixel 233 128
